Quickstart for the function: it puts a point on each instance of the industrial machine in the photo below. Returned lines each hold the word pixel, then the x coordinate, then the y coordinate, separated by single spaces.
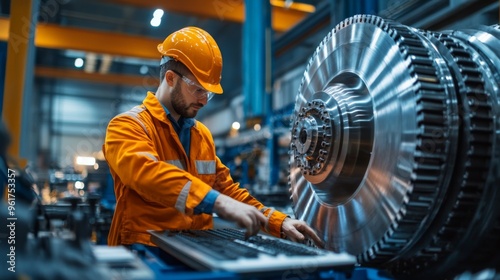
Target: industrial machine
pixel 394 158
pixel 395 149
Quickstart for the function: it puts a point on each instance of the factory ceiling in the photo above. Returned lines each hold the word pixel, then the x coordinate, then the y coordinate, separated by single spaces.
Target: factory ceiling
pixel 117 43
pixel 116 40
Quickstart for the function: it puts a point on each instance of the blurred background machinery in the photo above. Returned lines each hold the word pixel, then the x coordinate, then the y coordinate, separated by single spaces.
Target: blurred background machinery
pixel 395 150
pixel 394 128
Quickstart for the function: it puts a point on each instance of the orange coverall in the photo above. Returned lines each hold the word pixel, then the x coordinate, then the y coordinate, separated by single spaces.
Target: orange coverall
pixel 156 185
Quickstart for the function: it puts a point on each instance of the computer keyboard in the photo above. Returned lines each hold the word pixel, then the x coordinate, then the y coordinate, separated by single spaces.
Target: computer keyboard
pixel 228 250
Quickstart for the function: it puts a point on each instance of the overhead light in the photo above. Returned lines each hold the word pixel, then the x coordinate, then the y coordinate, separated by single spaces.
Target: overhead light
pixel 235 125
pixel 78 63
pixel 143 70
pixel 59 174
pixel 292 5
pixel 155 22
pixel 85 160
pixel 79 185
pixel 158 13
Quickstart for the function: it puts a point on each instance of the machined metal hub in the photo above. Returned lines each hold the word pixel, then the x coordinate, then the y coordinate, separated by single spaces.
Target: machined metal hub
pixel 311 137
pixel 395 151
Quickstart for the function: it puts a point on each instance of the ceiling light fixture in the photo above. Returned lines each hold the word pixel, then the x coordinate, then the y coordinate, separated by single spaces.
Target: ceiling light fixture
pixel 156 20
pixel 235 125
pixel 85 160
pixel 158 13
pixel 78 63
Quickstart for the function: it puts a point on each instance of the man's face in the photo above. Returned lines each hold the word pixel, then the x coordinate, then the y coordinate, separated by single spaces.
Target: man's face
pixel 184 103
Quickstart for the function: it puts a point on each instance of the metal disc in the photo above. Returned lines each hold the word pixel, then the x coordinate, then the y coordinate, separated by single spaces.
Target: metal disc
pixel 395 144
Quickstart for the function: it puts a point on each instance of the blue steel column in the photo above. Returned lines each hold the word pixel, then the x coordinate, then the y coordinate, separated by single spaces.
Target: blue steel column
pixel 355 7
pixel 371 7
pixel 256 58
pixel 19 76
pixel 257 71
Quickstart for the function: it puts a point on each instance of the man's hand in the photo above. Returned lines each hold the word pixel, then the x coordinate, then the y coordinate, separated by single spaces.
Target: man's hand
pixel 297 231
pixel 242 214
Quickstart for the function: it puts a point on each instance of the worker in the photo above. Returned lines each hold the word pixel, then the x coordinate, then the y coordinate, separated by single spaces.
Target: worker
pixel 163 161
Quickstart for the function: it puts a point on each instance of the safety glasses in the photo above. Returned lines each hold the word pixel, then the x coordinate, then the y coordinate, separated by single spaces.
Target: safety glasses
pixel 195 89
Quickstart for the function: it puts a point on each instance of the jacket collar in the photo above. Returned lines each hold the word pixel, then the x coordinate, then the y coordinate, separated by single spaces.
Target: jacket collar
pixel 159 111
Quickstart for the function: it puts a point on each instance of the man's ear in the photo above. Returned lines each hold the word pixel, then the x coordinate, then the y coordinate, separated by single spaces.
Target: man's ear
pixel 169 78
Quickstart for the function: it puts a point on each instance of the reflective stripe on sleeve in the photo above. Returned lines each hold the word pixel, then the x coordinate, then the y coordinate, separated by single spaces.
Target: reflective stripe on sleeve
pixel 205 166
pixel 177 162
pixel 133 113
pixel 271 211
pixel 180 204
pixel 148 155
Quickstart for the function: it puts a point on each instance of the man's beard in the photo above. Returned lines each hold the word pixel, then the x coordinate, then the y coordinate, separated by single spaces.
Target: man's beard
pixel 179 104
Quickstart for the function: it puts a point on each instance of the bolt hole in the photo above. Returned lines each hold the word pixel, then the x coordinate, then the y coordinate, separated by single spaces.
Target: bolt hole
pixel 303 136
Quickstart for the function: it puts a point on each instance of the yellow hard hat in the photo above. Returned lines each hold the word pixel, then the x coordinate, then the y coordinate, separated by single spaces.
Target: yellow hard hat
pixel 196 49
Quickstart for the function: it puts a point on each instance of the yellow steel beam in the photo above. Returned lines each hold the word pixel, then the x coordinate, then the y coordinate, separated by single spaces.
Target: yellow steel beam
pixel 283 19
pixel 231 10
pixel 64 37
pixel 119 79
pixel 4 29
pixel 59 37
pixel 308 8
pixel 15 70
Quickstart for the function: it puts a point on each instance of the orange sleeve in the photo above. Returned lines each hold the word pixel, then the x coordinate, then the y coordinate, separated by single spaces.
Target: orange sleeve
pixel 225 184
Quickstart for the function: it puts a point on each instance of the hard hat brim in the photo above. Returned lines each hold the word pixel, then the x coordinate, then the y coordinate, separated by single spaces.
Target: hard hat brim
pixel 217 89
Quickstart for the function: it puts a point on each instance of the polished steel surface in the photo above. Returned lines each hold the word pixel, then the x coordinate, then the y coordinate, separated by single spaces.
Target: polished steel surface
pixel 363 184
pixel 387 130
